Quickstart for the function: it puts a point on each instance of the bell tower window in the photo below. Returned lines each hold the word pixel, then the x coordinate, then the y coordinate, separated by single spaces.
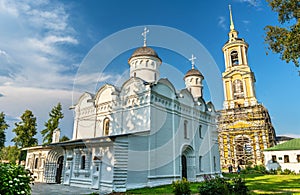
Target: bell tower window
pixel 238 91
pixel 234 58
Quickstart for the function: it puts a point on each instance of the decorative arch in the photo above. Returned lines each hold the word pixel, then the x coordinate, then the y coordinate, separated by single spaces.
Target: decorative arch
pixel 187 162
pixel 54 165
pixel 243 149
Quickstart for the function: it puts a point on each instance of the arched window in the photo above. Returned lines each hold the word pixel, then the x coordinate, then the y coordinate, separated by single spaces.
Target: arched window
pixel 106 126
pixel 200 131
pixel 197 80
pixel 238 91
pixel 185 129
pixel 234 58
pixel 82 164
pixel 36 163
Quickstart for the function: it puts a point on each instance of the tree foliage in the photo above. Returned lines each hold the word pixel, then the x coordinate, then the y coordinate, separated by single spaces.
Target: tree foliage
pixel 64 138
pixel 285 40
pixel 25 130
pixel 52 124
pixel 10 153
pixel 3 127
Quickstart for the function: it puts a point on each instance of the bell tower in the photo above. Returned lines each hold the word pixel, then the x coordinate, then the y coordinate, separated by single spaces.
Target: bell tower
pixel 238 79
pixel 245 129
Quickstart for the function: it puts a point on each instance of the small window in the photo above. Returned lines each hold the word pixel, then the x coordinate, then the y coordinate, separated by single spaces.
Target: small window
pixel 106 127
pixel 36 163
pixel 279 158
pixel 200 163
pixel 286 159
pixel 200 131
pixel 82 165
pixel 185 129
pixel 274 160
pixel 298 158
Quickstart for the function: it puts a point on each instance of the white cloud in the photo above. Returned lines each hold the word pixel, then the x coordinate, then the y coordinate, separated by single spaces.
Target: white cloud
pixel 221 22
pixel 255 3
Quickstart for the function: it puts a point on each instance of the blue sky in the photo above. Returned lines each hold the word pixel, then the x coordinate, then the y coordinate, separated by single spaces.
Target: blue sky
pixel 44 44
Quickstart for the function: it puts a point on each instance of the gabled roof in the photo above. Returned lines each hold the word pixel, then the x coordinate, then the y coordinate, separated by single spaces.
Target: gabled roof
pixel 293 144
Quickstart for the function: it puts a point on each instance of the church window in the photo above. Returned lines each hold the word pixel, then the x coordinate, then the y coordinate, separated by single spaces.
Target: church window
pixel 298 158
pixel 134 74
pixel 185 129
pixel 106 127
pixel 36 163
pixel 238 91
pixel 82 163
pixel 147 61
pixel 191 80
pixel 197 80
pixel 200 131
pixel 234 58
pixel 200 163
pixel 286 158
pixel 215 164
pixel 141 61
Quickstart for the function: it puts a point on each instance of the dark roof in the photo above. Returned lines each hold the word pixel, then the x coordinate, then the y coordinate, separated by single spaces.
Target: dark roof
pixel 293 144
pixel 144 51
pixel 193 72
pixel 283 138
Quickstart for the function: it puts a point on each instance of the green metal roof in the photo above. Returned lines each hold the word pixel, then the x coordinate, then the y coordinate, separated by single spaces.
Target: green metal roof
pixel 293 144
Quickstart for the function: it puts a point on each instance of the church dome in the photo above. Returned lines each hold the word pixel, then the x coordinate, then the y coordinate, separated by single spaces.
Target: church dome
pixel 193 72
pixel 144 51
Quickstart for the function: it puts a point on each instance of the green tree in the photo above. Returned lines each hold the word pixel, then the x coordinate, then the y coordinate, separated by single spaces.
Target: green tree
pixel 3 127
pixel 10 153
pixel 25 132
pixel 64 138
pixel 285 39
pixel 52 124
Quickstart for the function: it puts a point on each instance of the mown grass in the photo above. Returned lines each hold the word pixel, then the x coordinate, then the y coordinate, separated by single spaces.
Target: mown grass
pixel 257 184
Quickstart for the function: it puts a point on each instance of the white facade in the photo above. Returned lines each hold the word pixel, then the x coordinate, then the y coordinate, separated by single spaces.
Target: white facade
pixel 144 133
pixel 286 159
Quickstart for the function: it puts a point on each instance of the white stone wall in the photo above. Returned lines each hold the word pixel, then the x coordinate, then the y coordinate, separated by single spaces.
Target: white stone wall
pixel 293 164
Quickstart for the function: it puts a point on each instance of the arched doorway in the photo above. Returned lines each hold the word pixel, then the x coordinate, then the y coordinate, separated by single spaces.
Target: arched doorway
pixel 54 165
pixel 243 150
pixel 188 163
pixel 60 163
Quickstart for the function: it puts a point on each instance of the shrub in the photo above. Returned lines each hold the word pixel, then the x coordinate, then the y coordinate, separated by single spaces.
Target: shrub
pixel 288 172
pixel 261 169
pixel 222 186
pixel 14 179
pixel 181 187
pixel 217 186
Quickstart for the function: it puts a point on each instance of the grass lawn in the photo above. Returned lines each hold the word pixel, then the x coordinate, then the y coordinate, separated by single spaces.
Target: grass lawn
pixel 257 184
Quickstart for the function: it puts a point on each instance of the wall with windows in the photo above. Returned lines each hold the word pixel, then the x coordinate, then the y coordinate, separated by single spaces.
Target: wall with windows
pixel 286 159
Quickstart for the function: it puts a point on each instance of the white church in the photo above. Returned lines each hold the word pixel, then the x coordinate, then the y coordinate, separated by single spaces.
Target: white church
pixel 144 133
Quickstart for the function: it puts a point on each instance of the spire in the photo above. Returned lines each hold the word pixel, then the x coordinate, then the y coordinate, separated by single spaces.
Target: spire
pixel 144 34
pixel 231 20
pixel 192 59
